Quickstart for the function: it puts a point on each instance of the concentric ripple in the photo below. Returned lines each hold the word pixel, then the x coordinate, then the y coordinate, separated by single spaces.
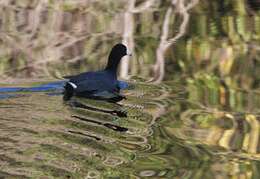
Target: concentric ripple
pixel 163 131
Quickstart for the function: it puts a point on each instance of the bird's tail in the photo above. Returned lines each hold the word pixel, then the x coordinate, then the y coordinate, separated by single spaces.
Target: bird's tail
pixel 69 89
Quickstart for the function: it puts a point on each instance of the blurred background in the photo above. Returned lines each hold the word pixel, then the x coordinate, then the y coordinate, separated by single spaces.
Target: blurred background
pixel 49 38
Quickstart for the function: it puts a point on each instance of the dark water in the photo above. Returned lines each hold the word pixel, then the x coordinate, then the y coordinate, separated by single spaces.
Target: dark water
pixel 179 129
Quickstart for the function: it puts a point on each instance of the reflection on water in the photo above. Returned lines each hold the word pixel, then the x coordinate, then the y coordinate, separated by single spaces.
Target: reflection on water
pixel 177 129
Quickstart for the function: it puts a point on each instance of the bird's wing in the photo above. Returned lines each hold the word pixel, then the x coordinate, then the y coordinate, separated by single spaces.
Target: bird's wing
pixel 89 85
pixel 79 77
pixel 93 82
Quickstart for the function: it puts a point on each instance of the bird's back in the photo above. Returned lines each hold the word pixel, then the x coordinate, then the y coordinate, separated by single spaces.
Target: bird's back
pixel 94 82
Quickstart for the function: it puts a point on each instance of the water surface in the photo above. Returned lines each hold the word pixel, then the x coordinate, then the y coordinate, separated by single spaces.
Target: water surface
pixel 179 129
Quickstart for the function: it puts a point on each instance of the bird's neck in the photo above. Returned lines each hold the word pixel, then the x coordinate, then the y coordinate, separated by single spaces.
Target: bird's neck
pixel 112 64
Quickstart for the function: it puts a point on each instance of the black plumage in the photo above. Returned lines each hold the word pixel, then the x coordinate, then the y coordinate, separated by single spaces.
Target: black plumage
pixel 100 84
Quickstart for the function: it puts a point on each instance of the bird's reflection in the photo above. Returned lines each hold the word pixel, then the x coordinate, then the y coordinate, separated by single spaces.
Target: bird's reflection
pixel 76 104
pixel 108 125
pixel 81 133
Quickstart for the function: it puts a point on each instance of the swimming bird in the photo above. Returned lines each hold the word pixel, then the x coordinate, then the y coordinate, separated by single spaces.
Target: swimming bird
pixel 101 84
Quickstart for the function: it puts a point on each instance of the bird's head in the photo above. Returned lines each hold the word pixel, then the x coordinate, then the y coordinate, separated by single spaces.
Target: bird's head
pixel 120 50
pixel 117 52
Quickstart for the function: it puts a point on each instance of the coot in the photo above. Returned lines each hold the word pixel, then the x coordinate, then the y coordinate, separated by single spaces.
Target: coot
pixel 100 84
